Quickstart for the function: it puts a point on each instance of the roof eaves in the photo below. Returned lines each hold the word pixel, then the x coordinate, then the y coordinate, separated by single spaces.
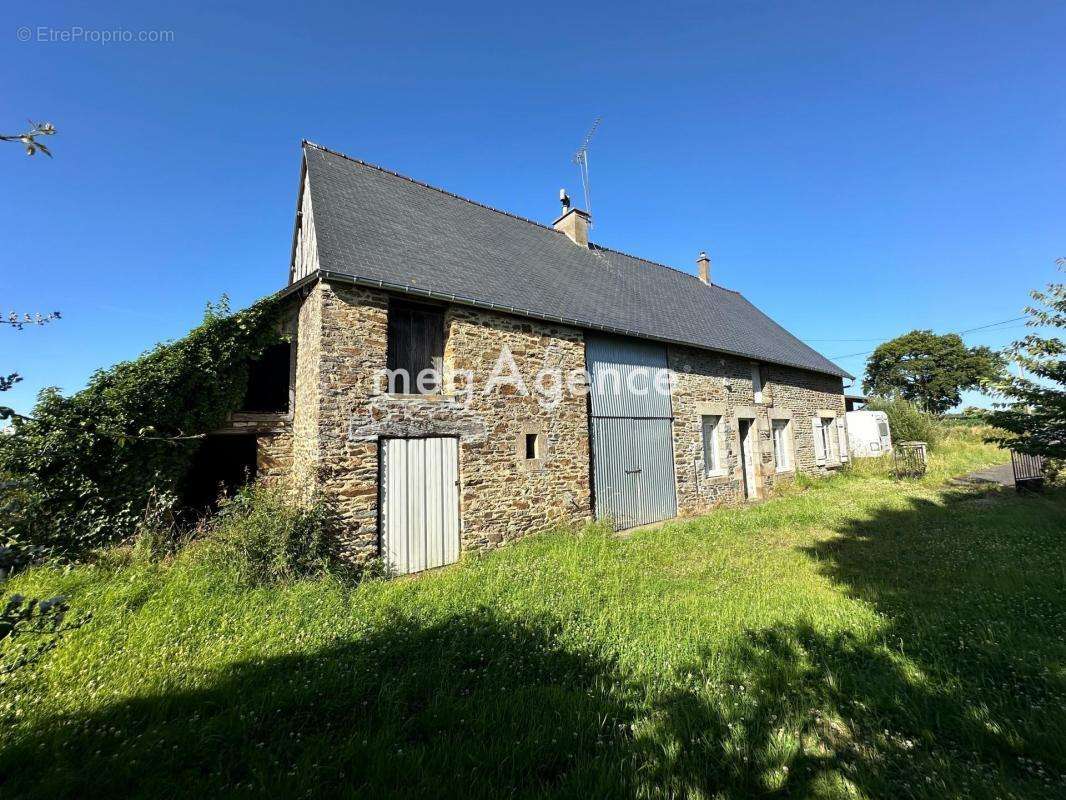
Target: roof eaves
pixel 376 283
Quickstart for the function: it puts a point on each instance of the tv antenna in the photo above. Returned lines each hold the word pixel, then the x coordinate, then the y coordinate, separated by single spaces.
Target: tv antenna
pixel 581 158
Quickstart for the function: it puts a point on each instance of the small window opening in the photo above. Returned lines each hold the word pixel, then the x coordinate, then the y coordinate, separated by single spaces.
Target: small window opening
pixel 756 382
pixel 268 381
pixel 532 446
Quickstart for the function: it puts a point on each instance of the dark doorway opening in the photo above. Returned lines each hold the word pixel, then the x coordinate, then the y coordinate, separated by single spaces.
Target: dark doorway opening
pixel 747 458
pixel 223 464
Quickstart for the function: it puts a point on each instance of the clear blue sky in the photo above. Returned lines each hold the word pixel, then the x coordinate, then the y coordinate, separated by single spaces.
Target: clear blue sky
pixel 855 169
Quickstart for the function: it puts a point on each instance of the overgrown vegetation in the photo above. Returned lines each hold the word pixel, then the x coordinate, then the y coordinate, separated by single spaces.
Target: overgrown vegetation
pixel 265 539
pixel 862 637
pixel 87 466
pixel 907 422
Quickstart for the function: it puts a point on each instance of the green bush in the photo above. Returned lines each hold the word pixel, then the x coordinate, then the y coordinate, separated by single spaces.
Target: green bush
pixel 908 423
pixel 265 539
pixel 86 467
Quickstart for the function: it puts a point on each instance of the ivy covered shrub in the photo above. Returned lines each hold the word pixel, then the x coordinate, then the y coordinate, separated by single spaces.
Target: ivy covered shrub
pixel 907 422
pixel 86 467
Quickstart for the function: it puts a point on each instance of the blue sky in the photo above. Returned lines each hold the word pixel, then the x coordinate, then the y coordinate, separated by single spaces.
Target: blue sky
pixel 856 169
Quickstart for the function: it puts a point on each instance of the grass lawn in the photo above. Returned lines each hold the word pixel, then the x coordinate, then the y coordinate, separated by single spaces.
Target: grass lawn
pixel 857 637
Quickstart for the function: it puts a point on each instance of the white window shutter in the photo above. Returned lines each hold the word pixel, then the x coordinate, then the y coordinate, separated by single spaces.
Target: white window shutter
pixel 842 438
pixel 819 445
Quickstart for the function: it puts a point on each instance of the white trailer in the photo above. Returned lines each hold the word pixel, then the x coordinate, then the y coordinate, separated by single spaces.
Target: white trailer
pixel 868 434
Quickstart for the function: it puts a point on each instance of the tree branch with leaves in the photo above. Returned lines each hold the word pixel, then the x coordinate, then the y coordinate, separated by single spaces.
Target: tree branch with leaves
pixel 31 139
pixel 1034 410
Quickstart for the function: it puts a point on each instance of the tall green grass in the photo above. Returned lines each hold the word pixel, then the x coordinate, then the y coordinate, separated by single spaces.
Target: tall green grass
pixel 860 637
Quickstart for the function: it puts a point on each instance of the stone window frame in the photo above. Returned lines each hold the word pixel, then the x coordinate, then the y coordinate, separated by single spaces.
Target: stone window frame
pixel 532 464
pixel 832 453
pixel 703 409
pixel 790 433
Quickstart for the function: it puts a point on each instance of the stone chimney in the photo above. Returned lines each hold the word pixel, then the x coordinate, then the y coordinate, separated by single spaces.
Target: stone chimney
pixel 705 268
pixel 574 222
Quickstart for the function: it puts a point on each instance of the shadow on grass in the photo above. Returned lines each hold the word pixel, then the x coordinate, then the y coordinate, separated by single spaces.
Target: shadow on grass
pixel 471 706
pixel 964 679
pixel 972 591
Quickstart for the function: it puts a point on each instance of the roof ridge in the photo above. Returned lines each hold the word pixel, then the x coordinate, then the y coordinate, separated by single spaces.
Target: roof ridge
pixel 425 185
pixel 660 264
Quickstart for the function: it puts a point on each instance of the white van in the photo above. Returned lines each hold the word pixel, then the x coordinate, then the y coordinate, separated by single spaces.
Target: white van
pixel 868 434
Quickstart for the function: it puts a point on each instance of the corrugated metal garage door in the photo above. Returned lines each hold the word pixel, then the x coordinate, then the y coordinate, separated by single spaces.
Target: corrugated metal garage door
pixel 420 503
pixel 632 439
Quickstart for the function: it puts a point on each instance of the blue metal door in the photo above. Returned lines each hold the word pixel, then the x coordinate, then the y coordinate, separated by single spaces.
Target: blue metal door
pixel 632 438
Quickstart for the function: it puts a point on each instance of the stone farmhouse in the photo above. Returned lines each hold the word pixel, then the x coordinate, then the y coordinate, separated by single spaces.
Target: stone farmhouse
pixel 392 277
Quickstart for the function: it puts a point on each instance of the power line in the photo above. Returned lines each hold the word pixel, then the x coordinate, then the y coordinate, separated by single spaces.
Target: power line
pixel 883 338
pixel 960 333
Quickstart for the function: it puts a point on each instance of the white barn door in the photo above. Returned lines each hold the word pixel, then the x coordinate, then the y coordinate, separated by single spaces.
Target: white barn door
pixel 420 503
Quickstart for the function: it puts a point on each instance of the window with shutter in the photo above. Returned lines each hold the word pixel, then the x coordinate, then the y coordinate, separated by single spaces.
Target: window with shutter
pixel 415 350
pixel 842 439
pixel 827 439
pixel 819 440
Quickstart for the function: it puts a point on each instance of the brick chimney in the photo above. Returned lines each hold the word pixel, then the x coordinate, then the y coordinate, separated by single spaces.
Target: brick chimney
pixel 574 222
pixel 705 268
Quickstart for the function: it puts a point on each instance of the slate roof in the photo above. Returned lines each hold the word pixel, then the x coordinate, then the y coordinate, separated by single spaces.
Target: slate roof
pixel 376 227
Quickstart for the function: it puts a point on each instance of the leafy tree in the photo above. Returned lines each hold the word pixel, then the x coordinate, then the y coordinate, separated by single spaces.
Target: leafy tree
pixel 929 370
pixel 1035 412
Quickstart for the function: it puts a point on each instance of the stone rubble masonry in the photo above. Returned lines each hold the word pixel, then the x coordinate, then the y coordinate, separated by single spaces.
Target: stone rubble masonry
pixel 500 499
pixel 307 339
pixel 340 415
pixel 717 384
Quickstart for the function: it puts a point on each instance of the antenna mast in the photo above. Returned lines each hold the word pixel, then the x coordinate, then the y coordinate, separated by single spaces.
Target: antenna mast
pixel 581 158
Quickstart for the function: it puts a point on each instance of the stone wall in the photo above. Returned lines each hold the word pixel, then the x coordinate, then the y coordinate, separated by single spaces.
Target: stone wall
pixel 342 412
pixel 502 497
pixel 721 385
pixel 806 395
pixel 307 338
pixel 274 455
